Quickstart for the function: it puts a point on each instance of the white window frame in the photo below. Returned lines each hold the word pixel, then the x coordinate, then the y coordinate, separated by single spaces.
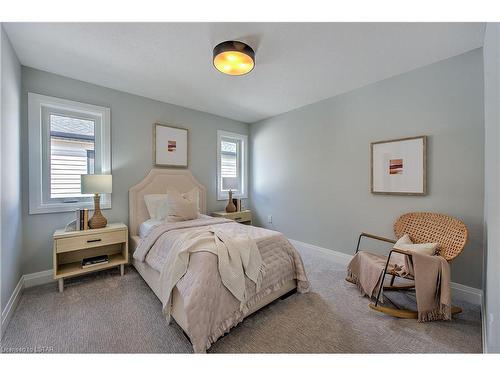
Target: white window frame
pixel 39 156
pixel 224 195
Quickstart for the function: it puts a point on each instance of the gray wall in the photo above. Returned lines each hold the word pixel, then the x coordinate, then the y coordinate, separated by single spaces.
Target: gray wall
pixel 310 166
pixel 492 186
pixel 11 245
pixel 132 118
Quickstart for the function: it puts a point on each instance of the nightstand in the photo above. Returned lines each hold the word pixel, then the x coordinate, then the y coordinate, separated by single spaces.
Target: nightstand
pixel 243 217
pixel 71 247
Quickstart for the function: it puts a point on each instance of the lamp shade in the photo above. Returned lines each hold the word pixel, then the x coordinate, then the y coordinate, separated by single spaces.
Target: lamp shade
pixel 230 183
pixel 96 183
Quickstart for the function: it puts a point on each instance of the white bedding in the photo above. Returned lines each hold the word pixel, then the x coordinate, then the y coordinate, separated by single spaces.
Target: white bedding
pixel 149 224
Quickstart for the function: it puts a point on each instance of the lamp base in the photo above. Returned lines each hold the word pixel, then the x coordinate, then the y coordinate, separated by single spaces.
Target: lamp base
pixel 230 205
pixel 97 220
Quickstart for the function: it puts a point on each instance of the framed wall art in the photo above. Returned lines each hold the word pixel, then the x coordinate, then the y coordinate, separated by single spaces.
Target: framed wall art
pixel 170 146
pixel 398 166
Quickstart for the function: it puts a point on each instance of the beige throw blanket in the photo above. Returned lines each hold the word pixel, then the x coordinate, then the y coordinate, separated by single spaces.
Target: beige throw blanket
pixel 432 286
pixel 431 274
pixel 147 243
pixel 365 270
pixel 237 257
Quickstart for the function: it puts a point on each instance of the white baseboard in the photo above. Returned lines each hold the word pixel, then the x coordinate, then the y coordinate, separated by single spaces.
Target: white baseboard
pixel 12 304
pixel 460 291
pixel 25 281
pixel 336 256
pixel 38 278
pixel 467 293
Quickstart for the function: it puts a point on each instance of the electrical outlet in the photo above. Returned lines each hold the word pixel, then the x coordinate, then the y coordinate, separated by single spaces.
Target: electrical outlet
pixel 270 219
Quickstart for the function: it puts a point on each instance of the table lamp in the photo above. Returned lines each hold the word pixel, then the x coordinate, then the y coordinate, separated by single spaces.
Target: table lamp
pixel 96 184
pixel 230 183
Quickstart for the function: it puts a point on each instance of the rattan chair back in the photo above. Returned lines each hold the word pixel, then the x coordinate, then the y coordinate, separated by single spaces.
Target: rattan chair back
pixel 425 227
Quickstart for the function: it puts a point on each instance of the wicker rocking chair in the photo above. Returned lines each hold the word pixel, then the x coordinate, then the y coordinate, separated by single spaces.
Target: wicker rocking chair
pixel 422 227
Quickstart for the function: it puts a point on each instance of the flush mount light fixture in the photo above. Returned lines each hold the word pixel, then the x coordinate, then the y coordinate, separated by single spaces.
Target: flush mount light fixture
pixel 234 58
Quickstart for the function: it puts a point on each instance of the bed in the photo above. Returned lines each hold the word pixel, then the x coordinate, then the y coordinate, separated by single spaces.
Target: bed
pixel 272 245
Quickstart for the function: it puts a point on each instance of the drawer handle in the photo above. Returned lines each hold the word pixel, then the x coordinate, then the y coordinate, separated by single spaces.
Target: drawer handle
pixel 96 240
pixel 237 218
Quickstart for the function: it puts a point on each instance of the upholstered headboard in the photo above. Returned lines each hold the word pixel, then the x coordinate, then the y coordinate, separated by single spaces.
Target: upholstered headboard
pixel 157 182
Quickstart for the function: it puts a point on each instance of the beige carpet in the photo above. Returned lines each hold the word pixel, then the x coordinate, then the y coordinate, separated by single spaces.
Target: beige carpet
pixel 104 312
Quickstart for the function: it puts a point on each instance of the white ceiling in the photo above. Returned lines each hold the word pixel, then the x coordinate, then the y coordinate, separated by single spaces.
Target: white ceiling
pixel 296 63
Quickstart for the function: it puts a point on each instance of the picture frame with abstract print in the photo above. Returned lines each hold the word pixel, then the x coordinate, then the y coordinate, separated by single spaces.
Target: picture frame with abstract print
pixel 399 166
pixel 170 146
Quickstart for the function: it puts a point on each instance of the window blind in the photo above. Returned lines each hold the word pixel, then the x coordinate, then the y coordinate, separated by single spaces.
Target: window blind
pixel 229 159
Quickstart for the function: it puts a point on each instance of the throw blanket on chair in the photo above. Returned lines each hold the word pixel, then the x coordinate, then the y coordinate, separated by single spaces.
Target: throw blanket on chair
pixel 431 274
pixel 432 286
pixel 365 270
pixel 237 257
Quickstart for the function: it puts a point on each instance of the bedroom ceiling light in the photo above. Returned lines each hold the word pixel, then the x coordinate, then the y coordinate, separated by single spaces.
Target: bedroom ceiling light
pixel 234 58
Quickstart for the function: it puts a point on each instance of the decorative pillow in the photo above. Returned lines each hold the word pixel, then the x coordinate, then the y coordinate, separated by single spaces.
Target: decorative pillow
pixel 407 245
pixel 156 205
pixel 193 195
pixel 181 207
pixel 397 258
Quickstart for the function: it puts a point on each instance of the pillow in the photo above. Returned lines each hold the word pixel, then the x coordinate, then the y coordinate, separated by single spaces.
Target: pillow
pixel 156 205
pixel 405 243
pixel 193 195
pixel 181 207
pixel 397 258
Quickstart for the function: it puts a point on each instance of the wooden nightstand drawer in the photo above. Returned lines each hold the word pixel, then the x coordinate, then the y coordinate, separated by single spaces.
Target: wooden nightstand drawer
pixel 240 216
pixel 88 241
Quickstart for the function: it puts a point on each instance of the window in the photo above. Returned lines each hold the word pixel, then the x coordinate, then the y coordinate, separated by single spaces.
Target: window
pixel 72 142
pixel 66 139
pixel 232 160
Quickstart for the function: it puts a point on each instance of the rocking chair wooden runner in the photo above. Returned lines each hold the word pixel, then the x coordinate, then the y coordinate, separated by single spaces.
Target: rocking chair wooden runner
pixel 422 227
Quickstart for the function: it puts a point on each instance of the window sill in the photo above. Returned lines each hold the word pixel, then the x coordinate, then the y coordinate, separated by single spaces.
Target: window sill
pixel 243 196
pixel 66 207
